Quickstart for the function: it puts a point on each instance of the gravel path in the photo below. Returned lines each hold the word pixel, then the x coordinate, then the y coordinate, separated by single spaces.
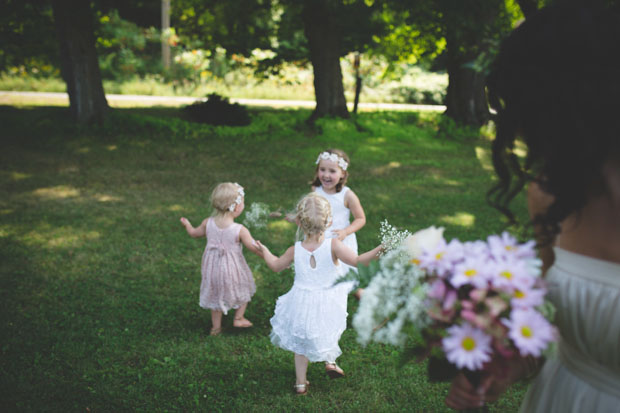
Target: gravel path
pixel 6 97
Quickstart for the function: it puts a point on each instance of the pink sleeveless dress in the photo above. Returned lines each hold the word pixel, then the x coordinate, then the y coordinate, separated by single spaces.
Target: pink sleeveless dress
pixel 227 281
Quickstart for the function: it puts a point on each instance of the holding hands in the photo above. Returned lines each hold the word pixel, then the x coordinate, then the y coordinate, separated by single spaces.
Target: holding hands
pixel 341 234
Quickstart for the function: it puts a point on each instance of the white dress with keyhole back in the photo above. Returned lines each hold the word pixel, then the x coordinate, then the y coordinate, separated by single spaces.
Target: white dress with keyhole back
pixel 310 318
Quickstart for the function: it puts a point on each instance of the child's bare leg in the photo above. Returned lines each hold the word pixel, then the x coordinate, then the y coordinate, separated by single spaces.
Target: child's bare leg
pixel 216 322
pixel 240 320
pixel 301 367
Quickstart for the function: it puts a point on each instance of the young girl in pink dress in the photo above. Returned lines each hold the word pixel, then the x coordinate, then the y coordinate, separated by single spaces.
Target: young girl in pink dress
pixel 227 281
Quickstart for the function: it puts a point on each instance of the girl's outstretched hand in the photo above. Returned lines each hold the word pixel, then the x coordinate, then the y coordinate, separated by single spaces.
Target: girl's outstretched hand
pixel 184 221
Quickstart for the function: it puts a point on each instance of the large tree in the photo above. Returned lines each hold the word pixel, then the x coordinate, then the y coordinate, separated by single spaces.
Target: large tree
pixel 325 46
pixel 469 27
pixel 78 59
pixel 321 32
pixel 457 36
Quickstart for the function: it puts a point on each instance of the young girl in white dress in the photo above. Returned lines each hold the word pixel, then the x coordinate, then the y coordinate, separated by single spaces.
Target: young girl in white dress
pixel 227 281
pixel 311 317
pixel 330 179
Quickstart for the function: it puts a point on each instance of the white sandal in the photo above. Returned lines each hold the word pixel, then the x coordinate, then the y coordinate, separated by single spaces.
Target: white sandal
pixel 301 389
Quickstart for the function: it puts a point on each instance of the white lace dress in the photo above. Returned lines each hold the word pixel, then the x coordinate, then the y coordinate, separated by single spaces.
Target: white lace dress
pixel 341 215
pixel 585 375
pixel 310 318
pixel 341 218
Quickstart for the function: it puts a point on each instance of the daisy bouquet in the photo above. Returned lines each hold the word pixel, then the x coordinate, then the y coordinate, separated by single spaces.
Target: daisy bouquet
pixel 461 304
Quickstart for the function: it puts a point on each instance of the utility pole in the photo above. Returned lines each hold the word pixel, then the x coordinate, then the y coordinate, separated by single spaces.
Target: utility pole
pixel 165 25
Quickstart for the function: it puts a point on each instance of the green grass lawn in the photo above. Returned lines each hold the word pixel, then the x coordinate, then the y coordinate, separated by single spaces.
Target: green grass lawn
pixel 99 281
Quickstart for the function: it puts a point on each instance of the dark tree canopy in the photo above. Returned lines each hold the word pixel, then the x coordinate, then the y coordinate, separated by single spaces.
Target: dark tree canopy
pixel 27 33
pixel 239 26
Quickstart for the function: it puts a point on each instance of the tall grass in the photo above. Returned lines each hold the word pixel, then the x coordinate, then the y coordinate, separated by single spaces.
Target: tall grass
pixel 99 281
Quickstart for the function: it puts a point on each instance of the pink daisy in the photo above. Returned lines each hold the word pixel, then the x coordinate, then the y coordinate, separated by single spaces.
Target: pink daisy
pixel 467 347
pixel 530 331
pixel 472 271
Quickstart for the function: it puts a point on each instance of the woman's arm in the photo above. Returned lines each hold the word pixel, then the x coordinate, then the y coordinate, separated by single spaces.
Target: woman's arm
pixel 348 256
pixel 248 241
pixel 199 231
pixel 276 264
pixel 352 202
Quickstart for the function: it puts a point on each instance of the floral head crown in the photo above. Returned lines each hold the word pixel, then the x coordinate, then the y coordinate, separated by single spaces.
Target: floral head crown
pixel 240 195
pixel 334 158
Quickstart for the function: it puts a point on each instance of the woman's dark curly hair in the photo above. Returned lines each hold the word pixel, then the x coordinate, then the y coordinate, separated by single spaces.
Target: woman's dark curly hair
pixel 555 84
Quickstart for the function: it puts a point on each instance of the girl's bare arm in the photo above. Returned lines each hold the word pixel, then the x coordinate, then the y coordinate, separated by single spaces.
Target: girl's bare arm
pixel 352 202
pixel 277 264
pixel 199 231
pixel 348 256
pixel 248 241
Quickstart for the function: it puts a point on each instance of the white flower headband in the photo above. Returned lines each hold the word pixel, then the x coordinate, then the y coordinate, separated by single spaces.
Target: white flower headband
pixel 334 158
pixel 240 195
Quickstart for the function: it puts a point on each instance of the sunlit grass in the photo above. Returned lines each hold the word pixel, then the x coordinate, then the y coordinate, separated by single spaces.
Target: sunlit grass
pixel 57 192
pixel 462 219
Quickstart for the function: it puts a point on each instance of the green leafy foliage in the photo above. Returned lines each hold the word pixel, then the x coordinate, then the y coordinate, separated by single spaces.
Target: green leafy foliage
pixel 363 275
pixel 126 50
pixel 28 38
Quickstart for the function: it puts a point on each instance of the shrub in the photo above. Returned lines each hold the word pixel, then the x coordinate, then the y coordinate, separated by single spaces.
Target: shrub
pixel 449 129
pixel 217 110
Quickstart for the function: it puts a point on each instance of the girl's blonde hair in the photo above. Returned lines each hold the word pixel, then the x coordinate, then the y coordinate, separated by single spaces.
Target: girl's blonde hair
pixel 223 196
pixel 316 182
pixel 313 214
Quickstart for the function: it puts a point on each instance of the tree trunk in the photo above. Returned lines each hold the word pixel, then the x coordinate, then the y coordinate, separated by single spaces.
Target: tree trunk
pixel 466 100
pixel 358 82
pixel 324 43
pixel 79 65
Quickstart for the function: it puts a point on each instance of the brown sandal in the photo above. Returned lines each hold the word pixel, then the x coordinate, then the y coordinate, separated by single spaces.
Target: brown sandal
pixel 333 371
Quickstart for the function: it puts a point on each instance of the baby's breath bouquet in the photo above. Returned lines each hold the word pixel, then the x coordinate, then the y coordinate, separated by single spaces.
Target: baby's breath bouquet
pixel 460 303
pixel 257 215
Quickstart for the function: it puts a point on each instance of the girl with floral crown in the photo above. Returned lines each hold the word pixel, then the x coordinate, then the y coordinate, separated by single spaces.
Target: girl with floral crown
pixel 227 281
pixel 330 179
pixel 310 318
